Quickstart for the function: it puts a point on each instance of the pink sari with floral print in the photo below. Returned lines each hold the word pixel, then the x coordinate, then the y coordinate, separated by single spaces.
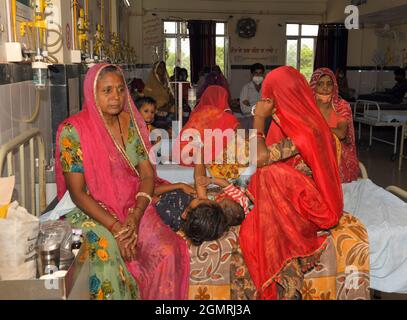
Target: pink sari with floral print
pixel 161 268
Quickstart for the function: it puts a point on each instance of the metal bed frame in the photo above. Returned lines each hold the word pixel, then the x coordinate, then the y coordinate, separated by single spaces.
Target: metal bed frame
pixel 363 171
pixel 16 146
pixel 375 121
pixel 403 138
pixel 398 192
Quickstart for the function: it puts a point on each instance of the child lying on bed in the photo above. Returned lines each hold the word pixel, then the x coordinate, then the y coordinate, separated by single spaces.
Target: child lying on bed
pixel 206 218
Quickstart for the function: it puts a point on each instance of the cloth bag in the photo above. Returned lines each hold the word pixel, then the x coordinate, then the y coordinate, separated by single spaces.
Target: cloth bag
pixel 18 237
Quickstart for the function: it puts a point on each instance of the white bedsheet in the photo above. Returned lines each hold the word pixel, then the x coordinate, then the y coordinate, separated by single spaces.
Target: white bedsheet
pixel 385 217
pixel 175 173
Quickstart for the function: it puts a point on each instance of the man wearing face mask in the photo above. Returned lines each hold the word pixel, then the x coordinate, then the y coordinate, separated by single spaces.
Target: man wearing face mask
pixel 251 92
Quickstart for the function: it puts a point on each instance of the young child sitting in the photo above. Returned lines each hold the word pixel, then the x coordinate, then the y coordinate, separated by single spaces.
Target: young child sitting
pixel 147 107
pixel 202 219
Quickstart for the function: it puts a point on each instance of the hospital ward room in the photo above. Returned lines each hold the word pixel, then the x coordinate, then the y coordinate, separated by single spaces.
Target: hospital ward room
pixel 226 150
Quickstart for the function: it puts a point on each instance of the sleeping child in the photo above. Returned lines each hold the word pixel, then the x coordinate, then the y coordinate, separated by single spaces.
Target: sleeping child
pixel 202 218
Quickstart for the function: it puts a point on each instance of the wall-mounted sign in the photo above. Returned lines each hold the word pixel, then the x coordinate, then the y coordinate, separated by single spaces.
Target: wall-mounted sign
pixel 249 55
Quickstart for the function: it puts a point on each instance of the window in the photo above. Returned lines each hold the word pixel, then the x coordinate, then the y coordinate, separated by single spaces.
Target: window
pixel 301 45
pixel 221 41
pixel 177 51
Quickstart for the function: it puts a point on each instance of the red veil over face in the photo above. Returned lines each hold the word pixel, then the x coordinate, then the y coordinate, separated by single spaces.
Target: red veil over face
pixel 290 207
pixel 212 112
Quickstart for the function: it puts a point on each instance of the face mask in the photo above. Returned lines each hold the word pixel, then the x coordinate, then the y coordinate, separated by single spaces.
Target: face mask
pixel 258 80
pixel 324 98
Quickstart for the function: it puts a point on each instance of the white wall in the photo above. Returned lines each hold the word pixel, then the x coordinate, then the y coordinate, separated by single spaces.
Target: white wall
pixel 364 43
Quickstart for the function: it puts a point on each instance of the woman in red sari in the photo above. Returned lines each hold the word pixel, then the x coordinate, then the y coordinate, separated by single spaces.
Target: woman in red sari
pixel 338 114
pixel 295 198
pixel 212 113
pixel 104 163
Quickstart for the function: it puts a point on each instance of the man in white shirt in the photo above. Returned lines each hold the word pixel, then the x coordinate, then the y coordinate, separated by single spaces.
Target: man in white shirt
pixel 251 92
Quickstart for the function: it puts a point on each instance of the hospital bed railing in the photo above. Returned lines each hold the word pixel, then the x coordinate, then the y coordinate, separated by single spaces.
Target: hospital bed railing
pixel 369 113
pixel 403 138
pixel 398 192
pixel 17 147
pixel 363 171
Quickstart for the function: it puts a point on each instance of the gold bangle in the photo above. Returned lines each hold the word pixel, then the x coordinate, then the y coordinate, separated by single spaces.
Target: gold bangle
pixel 121 232
pixel 145 195
pixel 257 135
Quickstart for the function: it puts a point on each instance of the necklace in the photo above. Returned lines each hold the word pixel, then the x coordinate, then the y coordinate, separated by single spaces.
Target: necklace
pixel 121 133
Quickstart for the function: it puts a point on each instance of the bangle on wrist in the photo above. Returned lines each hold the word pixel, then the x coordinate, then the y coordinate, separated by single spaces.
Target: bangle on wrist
pixel 253 112
pixel 258 135
pixel 145 195
pixel 110 228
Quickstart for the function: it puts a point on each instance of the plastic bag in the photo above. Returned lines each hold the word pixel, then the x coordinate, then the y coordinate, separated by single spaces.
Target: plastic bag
pixel 18 236
pixel 55 233
pixel 63 207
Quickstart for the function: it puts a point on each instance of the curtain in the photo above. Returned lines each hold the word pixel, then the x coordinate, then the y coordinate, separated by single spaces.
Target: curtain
pixel 202 39
pixel 332 47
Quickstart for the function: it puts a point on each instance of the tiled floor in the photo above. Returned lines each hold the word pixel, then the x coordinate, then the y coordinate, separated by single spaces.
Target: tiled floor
pixel 381 168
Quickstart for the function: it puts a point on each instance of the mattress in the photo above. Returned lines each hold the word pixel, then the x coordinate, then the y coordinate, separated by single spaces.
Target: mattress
pixel 385 217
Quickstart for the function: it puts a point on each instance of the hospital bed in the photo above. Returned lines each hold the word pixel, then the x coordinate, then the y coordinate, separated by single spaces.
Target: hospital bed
pixel 24 157
pixel 214 267
pixel 375 114
pixel 384 213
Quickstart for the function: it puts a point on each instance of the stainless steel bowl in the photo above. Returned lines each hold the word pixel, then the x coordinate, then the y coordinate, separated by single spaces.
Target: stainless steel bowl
pixel 48 260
